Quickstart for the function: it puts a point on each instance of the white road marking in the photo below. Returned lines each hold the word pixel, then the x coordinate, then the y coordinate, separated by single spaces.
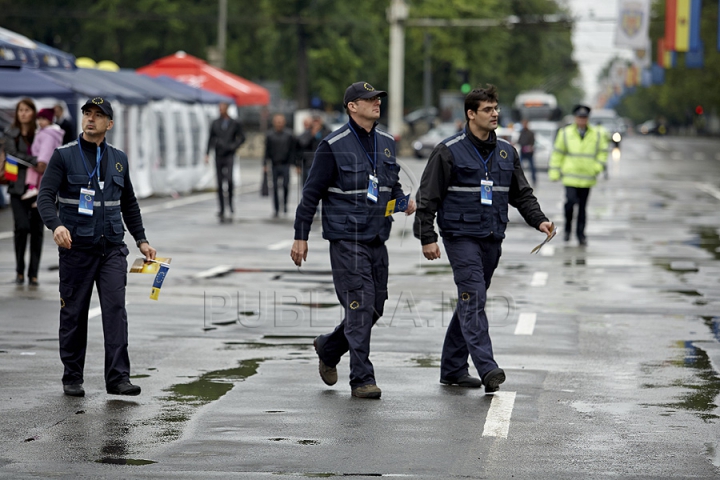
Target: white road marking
pixel 4 235
pixel 281 245
pixel 215 271
pixel 94 312
pixel 676 156
pixel 709 189
pixel 181 202
pixel 539 279
pixel 547 251
pixel 526 324
pixel 497 423
pixel 615 262
pixel 699 156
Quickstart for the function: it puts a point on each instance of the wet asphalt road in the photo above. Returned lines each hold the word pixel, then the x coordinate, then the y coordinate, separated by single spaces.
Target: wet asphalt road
pixel 612 351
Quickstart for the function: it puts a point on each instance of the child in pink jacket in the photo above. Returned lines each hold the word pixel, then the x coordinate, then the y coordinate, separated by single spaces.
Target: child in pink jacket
pixel 47 139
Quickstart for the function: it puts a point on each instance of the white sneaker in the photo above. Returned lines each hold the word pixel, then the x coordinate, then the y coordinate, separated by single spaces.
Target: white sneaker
pixel 31 192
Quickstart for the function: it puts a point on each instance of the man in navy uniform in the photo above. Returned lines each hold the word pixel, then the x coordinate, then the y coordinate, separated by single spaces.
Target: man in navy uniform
pixel 355 175
pixel 469 180
pixel 91 182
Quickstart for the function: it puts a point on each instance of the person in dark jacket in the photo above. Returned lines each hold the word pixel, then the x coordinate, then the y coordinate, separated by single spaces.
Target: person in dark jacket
pixel 308 142
pixel 469 180
pixel 91 182
pixel 280 147
pixel 65 124
pixel 226 135
pixel 18 141
pixel 527 148
pixel 355 174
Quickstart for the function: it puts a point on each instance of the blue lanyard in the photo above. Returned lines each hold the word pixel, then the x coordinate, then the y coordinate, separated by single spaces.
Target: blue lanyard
pixel 373 158
pixel 96 170
pixel 484 160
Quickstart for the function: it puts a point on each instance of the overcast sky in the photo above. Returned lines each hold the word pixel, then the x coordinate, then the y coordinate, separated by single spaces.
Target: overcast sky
pixel 593 38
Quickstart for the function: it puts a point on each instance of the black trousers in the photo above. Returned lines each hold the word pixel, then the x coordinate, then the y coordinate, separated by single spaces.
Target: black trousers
pixel 27 222
pixel 580 196
pixel 224 173
pixel 79 271
pixel 281 171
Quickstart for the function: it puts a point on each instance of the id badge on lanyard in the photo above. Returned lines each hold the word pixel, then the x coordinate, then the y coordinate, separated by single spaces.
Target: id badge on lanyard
pixel 486 192
pixel 87 201
pixel 372 192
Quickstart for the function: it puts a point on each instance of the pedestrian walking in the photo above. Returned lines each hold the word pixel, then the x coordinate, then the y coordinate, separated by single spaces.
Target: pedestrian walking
pixel 469 180
pixel 226 136
pixel 355 174
pixel 91 182
pixel 527 148
pixel 580 154
pixel 280 154
pixel 18 141
pixel 308 142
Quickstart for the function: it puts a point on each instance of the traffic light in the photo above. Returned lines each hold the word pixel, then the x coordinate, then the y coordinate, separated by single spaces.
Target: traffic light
pixel 465 88
pixel 699 110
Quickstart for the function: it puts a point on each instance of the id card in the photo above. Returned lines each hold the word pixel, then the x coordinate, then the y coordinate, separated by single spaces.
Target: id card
pixel 87 200
pixel 372 192
pixel 486 192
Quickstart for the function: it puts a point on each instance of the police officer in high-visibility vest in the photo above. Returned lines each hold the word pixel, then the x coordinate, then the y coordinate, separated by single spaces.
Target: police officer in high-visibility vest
pixel 469 180
pixel 90 180
pixel 355 175
pixel 580 154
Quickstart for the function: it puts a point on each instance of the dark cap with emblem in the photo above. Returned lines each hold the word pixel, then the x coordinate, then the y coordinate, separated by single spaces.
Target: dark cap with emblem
pixel 361 90
pixel 101 103
pixel 581 111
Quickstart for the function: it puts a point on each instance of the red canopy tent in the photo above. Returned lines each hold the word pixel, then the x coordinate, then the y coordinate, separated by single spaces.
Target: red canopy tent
pixel 197 73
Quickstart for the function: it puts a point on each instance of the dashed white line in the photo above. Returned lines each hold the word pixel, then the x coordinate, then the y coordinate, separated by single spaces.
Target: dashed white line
pixel 281 245
pixel 526 324
pixel 497 423
pixel 5 235
pixel 547 251
pixel 709 189
pixel 699 156
pixel 214 272
pixel 539 279
pixel 94 312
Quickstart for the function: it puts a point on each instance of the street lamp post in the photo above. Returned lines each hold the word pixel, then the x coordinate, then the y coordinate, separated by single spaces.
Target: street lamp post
pixel 396 15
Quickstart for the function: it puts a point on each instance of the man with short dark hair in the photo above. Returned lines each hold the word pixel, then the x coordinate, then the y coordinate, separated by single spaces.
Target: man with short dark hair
pixel 469 180
pixel 355 174
pixel 91 182
pixel 64 123
pixel 226 135
pixel 580 154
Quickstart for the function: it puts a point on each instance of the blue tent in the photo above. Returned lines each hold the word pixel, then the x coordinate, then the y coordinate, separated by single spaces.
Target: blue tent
pixel 22 82
pixel 96 83
pixel 144 85
pixel 200 95
pixel 19 51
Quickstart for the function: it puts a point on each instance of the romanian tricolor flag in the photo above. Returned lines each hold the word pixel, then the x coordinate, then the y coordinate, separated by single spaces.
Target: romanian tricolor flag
pixel 681 18
pixel 11 168
pixel 665 57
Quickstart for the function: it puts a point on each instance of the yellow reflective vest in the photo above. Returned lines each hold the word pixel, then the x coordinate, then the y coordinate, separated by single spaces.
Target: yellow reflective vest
pixel 577 161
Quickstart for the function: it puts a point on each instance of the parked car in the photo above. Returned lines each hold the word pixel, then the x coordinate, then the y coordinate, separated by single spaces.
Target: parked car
pixel 425 144
pixel 426 115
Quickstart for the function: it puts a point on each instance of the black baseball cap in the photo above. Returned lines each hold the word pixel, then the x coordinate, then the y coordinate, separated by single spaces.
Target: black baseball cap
pixel 581 111
pixel 361 90
pixel 101 103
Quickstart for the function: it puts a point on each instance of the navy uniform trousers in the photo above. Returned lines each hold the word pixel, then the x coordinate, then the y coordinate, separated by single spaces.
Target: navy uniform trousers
pixel 473 262
pixel 360 274
pixel 79 270
pixel 580 196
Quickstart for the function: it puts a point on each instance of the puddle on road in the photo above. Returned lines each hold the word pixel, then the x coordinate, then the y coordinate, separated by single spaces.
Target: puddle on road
pixel 444 269
pixel 140 375
pixel 184 398
pixel 713 323
pixel 125 461
pixel 428 361
pixel 689 293
pixel 703 388
pixel 256 345
pixel 708 239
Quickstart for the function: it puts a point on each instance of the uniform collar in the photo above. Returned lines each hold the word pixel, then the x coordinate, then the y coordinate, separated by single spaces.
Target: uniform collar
pixel 485 146
pixel 92 145
pixel 360 130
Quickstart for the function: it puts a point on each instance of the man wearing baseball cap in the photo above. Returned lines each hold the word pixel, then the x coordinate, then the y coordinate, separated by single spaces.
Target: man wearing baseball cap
pixel 355 175
pixel 91 181
pixel 579 156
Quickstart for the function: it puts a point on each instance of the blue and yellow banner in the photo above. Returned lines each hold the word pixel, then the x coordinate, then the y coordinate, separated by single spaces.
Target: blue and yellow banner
pixel 397 205
pixel 159 279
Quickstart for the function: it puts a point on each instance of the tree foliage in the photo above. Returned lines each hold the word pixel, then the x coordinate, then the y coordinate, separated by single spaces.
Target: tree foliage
pixel 314 47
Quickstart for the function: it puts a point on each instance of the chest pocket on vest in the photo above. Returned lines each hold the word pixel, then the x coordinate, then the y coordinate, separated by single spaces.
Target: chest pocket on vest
pixel 75 183
pixel 506 172
pixel 469 175
pixel 353 176
pixel 391 173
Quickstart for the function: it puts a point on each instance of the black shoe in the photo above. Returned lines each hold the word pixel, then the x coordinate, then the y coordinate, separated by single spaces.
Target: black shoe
pixel 463 381
pixel 493 379
pixel 33 282
pixel 582 242
pixel 74 390
pixel 566 237
pixel 19 279
pixel 124 388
